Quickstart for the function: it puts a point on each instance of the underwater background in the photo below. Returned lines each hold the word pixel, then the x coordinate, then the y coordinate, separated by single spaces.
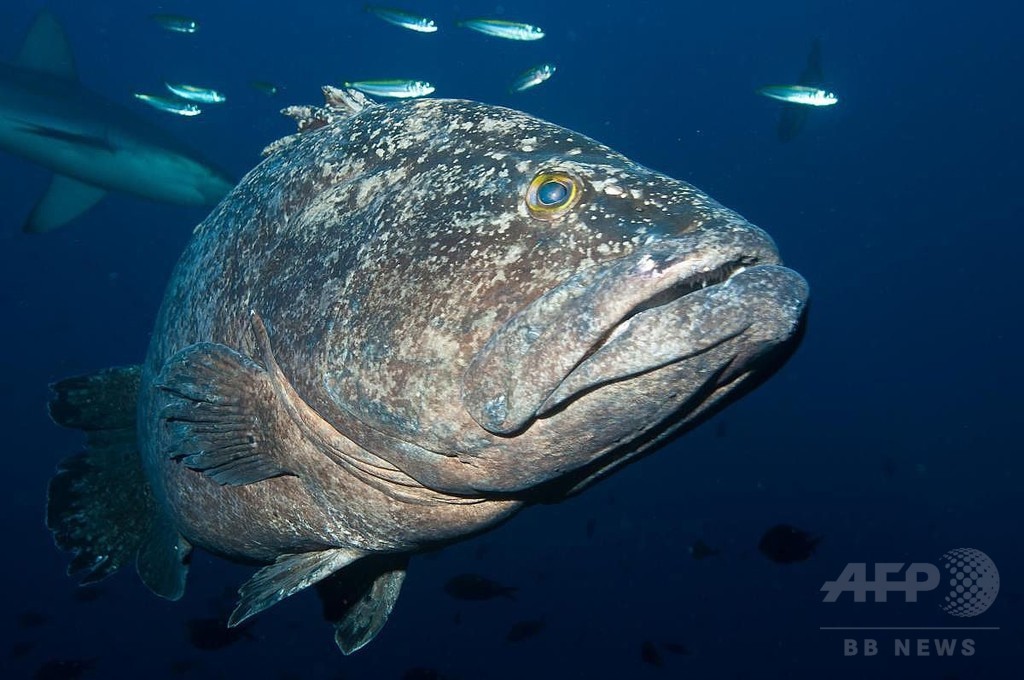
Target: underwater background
pixel 893 435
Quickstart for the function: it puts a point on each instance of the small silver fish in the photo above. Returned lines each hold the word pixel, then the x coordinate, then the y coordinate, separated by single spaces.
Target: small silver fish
pixel 510 30
pixel 400 89
pixel 203 95
pixel 535 76
pixel 265 87
pixel 799 94
pixel 404 19
pixel 182 108
pixel 177 23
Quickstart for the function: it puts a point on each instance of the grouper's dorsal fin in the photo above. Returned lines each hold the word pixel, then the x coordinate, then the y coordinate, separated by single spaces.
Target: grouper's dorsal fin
pixel 345 100
pixel 46 48
pixel 338 104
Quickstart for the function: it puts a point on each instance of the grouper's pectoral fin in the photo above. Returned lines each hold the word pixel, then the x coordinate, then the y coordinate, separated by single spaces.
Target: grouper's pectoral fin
pixel 286 576
pixel 224 416
pixel 359 599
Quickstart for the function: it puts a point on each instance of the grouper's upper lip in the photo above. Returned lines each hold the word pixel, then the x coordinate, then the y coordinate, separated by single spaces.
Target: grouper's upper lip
pixel 518 373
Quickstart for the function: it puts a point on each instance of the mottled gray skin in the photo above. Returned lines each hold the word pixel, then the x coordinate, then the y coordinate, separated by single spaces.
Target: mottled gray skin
pixel 444 355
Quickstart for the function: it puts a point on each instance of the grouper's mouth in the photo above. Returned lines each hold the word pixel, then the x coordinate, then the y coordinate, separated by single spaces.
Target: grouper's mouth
pixel 669 302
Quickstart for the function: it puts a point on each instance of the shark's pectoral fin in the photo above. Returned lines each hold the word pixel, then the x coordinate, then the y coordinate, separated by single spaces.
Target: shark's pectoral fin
pixel 359 598
pixel 46 48
pixel 288 575
pixel 63 201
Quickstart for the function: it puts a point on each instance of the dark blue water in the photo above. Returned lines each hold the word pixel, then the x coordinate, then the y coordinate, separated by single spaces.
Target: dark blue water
pixel 893 433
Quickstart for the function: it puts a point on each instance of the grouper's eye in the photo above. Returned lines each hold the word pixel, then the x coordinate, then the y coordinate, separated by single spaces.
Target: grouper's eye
pixel 552 193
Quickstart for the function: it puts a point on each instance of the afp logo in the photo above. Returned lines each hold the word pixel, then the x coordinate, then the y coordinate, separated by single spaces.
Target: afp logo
pixel 971 581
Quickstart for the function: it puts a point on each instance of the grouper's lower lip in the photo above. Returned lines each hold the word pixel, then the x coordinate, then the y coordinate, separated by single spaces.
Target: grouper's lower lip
pixel 757 306
pixel 582 332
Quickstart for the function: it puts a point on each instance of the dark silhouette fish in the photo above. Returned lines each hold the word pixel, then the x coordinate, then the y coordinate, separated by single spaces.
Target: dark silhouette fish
pixel 700 550
pixel 524 630
pixel 21 649
pixel 476 587
pixel 88 594
pixel 180 667
pixel 212 633
pixel 32 619
pixel 676 648
pixel 409 322
pixel 64 669
pixel 786 544
pixel 649 654
pixel 793 116
pixel 423 673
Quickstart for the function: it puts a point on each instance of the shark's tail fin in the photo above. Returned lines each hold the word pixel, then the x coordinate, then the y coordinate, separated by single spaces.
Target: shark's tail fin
pixel 99 504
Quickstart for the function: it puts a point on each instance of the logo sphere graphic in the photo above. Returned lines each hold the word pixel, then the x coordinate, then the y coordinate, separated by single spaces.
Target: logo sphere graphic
pixel 973 582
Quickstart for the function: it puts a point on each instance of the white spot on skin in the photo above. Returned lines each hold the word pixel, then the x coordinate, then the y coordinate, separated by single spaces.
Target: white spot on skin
pixel 512 255
pixel 457 125
pixel 646 265
pixel 492 124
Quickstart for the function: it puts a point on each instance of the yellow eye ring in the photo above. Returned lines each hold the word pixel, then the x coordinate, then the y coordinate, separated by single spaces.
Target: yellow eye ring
pixel 552 193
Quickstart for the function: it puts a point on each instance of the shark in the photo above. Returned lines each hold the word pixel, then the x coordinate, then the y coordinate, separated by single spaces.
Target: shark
pixel 92 145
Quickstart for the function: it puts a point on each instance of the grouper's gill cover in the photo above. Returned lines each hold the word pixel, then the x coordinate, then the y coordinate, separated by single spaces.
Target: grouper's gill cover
pixel 410 321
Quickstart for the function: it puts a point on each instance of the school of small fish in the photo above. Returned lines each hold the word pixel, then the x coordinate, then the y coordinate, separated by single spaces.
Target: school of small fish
pixel 498 28
pixel 186 97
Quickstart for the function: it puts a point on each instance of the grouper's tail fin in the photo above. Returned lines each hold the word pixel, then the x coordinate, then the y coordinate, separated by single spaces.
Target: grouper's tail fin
pixel 99 505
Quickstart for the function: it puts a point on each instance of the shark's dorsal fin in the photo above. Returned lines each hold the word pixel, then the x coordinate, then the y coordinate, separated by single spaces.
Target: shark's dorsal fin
pixel 46 48
pixel 338 104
